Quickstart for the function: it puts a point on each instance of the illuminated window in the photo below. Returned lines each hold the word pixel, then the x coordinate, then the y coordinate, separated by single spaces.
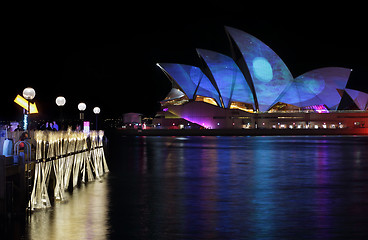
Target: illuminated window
pixel 246 107
pixel 206 100
pixel 178 101
pixel 283 107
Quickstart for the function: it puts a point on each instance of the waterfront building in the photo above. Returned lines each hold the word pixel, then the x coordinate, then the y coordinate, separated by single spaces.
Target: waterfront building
pixel 253 88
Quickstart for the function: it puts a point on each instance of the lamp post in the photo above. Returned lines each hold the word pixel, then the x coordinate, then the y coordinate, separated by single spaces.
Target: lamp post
pixel 81 106
pixel 96 111
pixel 60 101
pixel 28 93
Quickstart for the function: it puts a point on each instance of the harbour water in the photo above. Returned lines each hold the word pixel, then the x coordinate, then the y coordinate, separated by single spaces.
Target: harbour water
pixel 301 187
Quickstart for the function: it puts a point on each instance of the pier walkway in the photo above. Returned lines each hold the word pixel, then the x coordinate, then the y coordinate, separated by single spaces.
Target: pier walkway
pixel 49 165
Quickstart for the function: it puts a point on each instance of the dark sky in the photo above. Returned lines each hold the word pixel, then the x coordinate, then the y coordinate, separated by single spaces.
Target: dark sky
pixel 107 59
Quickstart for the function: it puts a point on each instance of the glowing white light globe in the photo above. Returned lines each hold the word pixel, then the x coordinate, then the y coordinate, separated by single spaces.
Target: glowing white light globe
pixel 60 101
pixel 82 106
pixel 29 93
pixel 96 110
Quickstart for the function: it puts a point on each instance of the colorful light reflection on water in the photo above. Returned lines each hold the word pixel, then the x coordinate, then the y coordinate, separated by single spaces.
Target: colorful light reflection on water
pixel 226 188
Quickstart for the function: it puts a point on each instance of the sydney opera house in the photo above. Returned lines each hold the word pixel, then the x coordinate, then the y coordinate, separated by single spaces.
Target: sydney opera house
pixel 253 88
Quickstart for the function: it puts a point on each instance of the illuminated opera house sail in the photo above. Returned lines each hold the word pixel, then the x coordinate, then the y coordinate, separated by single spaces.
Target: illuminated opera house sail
pixel 253 88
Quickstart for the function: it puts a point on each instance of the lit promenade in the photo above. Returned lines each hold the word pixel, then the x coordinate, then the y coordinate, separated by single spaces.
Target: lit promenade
pixel 57 162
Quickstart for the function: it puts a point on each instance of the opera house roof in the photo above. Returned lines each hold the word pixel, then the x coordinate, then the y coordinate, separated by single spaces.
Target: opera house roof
pixel 256 75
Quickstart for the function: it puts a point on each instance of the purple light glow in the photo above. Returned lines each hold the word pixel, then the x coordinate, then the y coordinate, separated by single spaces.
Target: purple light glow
pixel 202 121
pixel 317 108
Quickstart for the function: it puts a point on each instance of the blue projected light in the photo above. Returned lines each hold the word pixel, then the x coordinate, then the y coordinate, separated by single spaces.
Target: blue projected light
pixel 316 87
pixel 270 75
pixel 262 69
pixel 206 89
pixel 359 98
pixel 187 77
pixel 268 79
pixel 229 79
pixel 191 80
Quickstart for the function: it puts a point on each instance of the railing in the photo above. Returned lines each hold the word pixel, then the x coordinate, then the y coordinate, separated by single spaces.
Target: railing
pixel 66 157
pixel 28 171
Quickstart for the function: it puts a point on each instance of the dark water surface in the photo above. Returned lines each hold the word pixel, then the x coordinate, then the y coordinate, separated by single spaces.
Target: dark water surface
pixel 219 188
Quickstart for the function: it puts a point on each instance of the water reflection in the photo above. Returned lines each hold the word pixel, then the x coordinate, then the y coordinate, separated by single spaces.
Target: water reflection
pixel 84 216
pixel 323 195
pixel 220 188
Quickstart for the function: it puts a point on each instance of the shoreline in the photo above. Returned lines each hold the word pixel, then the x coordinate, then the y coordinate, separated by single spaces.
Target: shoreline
pixel 243 132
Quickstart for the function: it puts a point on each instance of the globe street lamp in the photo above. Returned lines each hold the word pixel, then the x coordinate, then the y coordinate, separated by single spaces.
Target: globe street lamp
pixel 96 111
pixel 28 93
pixel 81 106
pixel 60 101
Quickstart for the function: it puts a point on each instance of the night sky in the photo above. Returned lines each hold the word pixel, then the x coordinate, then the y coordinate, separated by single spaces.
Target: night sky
pixel 108 59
